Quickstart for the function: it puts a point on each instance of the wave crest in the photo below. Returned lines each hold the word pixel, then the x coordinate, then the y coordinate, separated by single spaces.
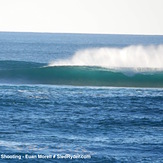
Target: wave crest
pixel 127 57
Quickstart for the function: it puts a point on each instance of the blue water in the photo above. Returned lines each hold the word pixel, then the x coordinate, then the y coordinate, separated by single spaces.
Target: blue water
pixel 103 123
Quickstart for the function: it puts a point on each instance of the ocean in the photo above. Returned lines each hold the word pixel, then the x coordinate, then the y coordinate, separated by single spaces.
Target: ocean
pixel 81 98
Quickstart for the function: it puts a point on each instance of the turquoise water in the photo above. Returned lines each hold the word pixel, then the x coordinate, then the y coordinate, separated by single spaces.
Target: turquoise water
pixel 99 113
pixel 35 73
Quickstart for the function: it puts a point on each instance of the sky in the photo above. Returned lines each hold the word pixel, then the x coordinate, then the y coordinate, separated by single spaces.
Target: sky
pixel 83 16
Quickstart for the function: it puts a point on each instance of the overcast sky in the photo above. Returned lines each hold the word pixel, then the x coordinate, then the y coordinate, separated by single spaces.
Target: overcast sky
pixel 83 16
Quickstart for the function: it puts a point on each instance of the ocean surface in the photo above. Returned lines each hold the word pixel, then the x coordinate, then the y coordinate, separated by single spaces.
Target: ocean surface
pixel 81 98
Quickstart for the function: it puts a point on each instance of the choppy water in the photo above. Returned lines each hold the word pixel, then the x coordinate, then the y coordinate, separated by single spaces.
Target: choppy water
pixel 102 124
pixel 113 124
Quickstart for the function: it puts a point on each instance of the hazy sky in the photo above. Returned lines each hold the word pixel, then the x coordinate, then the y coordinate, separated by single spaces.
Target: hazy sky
pixel 83 16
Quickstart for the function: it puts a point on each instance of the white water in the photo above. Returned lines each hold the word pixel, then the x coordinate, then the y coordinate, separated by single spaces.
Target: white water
pixel 137 57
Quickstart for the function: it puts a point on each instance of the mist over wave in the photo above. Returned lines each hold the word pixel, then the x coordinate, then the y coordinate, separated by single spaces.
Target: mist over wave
pixel 149 57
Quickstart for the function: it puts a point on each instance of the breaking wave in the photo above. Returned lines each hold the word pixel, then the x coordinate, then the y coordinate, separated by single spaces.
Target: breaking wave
pixel 134 66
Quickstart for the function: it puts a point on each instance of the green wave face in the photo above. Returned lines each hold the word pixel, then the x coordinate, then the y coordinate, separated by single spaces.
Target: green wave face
pixel 77 76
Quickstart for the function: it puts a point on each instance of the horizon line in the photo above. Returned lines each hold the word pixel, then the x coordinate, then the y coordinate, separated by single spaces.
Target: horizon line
pixel 84 33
